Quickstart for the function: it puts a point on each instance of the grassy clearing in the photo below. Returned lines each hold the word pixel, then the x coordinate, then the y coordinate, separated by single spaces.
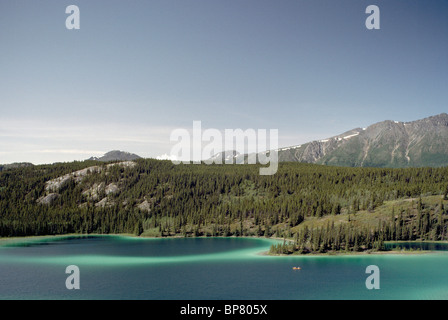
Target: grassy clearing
pixel 372 219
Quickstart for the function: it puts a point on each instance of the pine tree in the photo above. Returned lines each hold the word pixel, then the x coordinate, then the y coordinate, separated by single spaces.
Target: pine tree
pixel 138 228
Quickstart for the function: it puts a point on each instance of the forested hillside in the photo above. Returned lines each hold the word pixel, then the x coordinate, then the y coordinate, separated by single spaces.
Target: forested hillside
pixel 157 198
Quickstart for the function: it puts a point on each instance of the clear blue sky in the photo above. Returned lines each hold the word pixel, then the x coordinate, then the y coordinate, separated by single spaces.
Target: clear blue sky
pixel 137 69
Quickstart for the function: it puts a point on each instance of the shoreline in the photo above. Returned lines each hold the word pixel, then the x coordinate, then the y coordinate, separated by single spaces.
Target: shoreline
pixel 348 254
pixel 5 240
pixel 130 235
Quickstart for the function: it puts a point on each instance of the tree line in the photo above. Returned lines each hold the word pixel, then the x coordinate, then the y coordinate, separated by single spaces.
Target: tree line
pixel 158 198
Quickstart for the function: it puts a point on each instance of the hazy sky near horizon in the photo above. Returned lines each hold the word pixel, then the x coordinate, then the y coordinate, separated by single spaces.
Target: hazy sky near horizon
pixel 136 70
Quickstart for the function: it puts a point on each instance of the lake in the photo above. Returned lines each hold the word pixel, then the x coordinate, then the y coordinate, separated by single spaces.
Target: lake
pixel 118 267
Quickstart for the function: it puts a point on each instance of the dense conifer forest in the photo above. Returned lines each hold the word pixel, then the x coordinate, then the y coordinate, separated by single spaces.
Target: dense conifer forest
pixel 320 208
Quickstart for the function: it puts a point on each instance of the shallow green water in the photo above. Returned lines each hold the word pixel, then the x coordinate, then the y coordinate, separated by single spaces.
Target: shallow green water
pixel 114 267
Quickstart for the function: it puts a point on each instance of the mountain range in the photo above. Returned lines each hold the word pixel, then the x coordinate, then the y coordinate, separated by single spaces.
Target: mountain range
pixel 391 144
pixel 116 155
pixel 394 144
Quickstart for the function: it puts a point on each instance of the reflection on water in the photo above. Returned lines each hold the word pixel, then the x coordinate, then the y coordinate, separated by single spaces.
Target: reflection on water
pixel 418 245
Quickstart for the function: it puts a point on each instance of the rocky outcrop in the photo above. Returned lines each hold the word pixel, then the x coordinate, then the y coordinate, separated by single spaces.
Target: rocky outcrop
pixel 111 189
pixel 92 192
pixel 144 206
pixel 48 199
pixel 56 184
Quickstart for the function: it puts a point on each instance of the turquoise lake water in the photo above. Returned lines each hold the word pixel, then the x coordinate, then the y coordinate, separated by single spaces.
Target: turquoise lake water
pixel 116 267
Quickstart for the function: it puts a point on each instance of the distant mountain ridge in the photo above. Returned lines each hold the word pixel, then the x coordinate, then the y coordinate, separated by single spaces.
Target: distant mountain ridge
pixel 116 155
pixel 15 165
pixel 394 144
pixel 225 156
pixel 386 144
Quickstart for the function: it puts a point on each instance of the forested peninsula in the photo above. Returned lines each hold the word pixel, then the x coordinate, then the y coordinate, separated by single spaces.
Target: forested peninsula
pixel 320 208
